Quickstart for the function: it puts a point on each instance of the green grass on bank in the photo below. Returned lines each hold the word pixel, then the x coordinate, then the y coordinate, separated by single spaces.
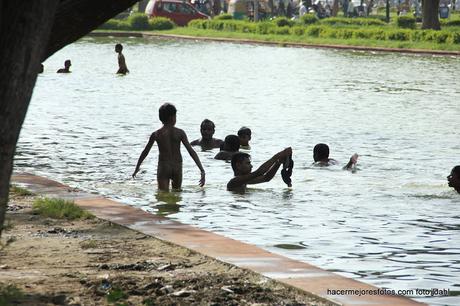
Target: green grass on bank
pixel 59 209
pixel 16 190
pixel 403 32
pixel 9 294
pixel 305 39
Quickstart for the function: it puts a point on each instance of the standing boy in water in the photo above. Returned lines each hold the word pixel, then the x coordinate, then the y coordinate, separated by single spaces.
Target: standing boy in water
pixel 122 68
pixel 169 160
pixel 207 142
pixel 241 165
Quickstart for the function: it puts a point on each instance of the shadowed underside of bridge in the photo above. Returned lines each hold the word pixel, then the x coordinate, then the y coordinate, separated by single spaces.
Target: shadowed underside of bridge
pixel 30 32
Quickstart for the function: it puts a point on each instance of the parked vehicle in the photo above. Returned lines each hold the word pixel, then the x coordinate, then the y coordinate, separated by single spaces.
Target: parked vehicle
pixel 178 11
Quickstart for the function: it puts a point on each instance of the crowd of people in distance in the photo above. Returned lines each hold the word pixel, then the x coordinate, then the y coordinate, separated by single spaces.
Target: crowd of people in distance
pixel 169 139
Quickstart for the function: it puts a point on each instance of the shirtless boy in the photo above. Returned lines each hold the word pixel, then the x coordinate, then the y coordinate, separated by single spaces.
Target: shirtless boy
pixel 241 165
pixel 122 68
pixel 207 142
pixel 169 139
pixel 229 148
pixel 245 135
pixel 321 157
pixel 454 178
pixel 66 68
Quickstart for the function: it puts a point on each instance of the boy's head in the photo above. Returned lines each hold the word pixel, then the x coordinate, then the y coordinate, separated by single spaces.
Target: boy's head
pixel 454 178
pixel 245 135
pixel 320 152
pixel 241 164
pixel 167 113
pixel 207 129
pixel 118 48
pixel 67 64
pixel 231 143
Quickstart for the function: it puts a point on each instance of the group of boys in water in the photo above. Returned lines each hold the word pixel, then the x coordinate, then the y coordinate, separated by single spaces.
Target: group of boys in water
pixel 169 139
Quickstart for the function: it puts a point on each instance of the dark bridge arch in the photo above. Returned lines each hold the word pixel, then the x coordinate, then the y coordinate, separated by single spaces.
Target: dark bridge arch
pixel 30 32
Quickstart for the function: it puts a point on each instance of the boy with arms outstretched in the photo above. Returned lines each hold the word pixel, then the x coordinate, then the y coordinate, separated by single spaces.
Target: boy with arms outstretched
pixel 169 139
pixel 241 165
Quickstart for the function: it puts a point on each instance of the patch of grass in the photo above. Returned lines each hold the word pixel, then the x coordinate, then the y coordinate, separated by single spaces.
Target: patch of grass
pixel 59 209
pixel 88 244
pixel 16 190
pixel 9 294
pixel 309 38
pixel 148 302
pixel 116 295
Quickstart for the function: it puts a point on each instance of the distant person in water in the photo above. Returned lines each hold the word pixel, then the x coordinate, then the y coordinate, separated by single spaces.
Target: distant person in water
pixel 321 157
pixel 66 68
pixel 241 165
pixel 229 148
pixel 454 178
pixel 169 139
pixel 122 68
pixel 245 135
pixel 207 142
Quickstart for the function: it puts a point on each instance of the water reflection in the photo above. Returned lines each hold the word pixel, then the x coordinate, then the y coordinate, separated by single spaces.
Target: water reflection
pixel 167 202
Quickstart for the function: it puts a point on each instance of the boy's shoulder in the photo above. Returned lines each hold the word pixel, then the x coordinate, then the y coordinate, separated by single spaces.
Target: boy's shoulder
pixel 178 130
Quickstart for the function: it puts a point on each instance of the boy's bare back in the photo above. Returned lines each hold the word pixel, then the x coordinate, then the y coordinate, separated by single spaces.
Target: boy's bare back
pixel 169 140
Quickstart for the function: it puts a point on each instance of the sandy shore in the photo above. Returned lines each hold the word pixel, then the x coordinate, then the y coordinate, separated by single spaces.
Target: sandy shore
pixel 95 262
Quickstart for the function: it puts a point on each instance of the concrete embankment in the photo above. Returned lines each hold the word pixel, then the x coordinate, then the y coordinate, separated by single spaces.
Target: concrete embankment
pixel 323 285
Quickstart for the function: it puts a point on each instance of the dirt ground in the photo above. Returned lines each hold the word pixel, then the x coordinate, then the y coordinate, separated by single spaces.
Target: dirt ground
pixel 95 262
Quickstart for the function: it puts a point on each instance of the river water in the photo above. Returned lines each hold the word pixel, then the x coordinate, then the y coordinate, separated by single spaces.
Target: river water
pixel 393 223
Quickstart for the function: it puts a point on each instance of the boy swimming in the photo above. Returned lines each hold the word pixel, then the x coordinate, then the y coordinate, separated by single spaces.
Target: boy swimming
pixel 241 165
pixel 169 139
pixel 321 157
pixel 229 148
pixel 66 68
pixel 244 134
pixel 454 178
pixel 207 142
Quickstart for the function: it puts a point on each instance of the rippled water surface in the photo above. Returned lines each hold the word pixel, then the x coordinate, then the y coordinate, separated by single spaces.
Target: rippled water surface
pixel 393 223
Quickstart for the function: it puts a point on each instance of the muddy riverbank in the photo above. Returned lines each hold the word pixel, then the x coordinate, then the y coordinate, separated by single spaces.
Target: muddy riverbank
pixel 46 261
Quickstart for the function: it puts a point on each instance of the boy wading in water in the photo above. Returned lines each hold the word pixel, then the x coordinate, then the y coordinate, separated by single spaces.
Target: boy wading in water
pixel 169 160
pixel 122 68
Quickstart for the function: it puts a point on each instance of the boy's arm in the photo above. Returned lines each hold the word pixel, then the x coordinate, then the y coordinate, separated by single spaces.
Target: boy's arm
pixel 194 157
pixel 263 174
pixel 144 153
pixel 269 163
pixel 352 162
pixel 196 142
pixel 267 176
